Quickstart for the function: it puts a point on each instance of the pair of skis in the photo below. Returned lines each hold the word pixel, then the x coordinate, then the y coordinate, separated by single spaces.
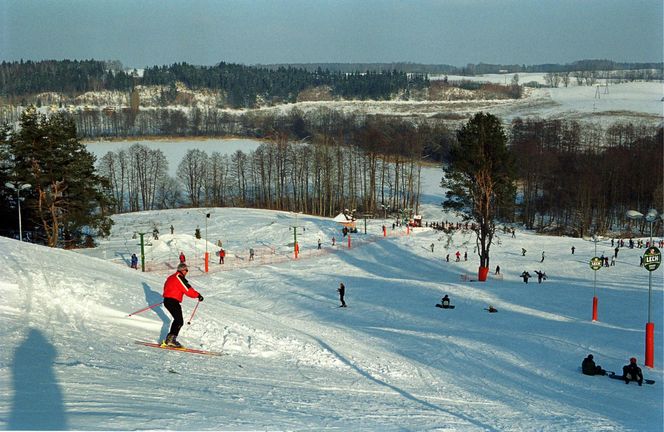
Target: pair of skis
pixel 182 349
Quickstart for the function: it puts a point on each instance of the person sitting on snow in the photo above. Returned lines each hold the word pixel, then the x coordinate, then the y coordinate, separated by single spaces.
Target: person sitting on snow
pixel 445 302
pixel 632 372
pixel 588 367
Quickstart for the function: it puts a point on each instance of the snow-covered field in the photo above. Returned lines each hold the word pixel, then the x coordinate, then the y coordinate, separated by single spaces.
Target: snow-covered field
pixel 295 361
pixel 635 102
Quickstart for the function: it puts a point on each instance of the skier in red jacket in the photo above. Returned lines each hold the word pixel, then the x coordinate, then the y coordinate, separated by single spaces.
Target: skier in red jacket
pixel 175 287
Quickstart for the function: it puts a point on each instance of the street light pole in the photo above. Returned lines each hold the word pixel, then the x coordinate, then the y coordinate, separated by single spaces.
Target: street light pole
pixel 18 187
pixel 649 217
pixel 594 266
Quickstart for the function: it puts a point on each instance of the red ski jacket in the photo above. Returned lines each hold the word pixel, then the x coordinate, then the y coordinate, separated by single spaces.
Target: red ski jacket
pixel 176 286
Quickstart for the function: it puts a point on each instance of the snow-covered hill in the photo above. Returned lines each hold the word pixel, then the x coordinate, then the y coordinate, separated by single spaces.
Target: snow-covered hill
pixel 635 102
pixel 294 360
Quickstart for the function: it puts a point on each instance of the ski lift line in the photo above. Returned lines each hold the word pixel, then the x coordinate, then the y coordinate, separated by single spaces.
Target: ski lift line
pixel 275 256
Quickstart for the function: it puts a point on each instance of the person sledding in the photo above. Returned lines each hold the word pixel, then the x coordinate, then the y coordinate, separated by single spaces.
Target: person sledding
pixel 588 367
pixel 491 309
pixel 632 372
pixel 445 303
pixel 175 287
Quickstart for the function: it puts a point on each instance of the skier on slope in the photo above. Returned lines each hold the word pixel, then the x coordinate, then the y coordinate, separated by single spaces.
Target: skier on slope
pixel 175 287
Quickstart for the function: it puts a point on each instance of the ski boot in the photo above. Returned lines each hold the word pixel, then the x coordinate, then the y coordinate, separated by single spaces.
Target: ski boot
pixel 172 342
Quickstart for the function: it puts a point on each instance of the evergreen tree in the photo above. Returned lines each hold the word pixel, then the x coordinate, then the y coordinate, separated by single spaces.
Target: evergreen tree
pixel 480 177
pixel 66 198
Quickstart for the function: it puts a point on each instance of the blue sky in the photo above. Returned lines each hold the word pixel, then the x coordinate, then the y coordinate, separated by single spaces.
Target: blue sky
pixel 154 32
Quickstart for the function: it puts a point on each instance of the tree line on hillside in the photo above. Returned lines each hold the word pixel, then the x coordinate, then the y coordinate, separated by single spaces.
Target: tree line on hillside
pixel 592 77
pixel 573 178
pixel 248 86
pixel 474 68
pixel 368 169
pixel 570 177
pixel 242 86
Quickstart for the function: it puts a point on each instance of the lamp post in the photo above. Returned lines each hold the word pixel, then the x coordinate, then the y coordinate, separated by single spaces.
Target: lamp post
pixel 651 260
pixel 18 187
pixel 595 264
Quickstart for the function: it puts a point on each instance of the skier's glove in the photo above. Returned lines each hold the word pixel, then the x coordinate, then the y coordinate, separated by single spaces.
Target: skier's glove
pixel 200 297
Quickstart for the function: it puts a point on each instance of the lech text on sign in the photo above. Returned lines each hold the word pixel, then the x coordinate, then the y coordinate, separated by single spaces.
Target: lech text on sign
pixel 652 258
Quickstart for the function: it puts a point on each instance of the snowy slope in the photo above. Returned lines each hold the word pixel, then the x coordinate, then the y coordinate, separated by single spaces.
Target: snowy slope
pixel 294 360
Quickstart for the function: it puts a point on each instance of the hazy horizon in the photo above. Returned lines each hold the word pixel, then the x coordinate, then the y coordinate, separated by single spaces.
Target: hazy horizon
pixel 452 32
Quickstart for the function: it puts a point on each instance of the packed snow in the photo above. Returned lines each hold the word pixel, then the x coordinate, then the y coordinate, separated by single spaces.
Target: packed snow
pixel 294 360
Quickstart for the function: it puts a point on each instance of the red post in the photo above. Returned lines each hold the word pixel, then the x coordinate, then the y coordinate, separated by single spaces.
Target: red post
pixel 482 274
pixel 207 260
pixel 384 231
pixel 349 241
pixel 296 249
pixel 650 345
pixel 594 308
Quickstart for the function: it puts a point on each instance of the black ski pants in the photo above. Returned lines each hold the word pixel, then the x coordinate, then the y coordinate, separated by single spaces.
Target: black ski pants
pixel 175 309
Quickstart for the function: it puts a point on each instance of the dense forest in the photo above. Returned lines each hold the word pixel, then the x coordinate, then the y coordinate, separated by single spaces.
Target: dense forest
pixel 243 86
pixel 247 86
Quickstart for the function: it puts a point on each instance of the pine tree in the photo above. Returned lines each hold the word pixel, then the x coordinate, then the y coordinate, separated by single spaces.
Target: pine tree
pixel 66 197
pixel 480 177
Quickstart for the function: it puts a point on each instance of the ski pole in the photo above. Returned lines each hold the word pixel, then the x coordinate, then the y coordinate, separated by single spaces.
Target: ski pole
pixel 192 314
pixel 146 308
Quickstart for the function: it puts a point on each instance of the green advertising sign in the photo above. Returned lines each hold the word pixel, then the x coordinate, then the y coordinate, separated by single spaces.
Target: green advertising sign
pixel 652 258
pixel 596 263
